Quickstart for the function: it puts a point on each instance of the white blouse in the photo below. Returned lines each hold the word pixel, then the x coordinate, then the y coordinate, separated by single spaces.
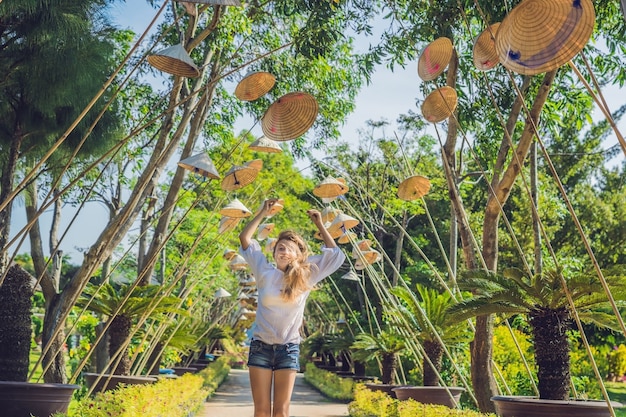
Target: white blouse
pixel 278 321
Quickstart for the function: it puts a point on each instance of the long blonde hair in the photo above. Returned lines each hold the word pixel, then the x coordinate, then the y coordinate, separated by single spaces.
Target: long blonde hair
pixel 298 272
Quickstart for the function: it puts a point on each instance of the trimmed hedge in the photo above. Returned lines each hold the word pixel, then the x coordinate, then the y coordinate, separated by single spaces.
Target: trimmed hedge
pixel 329 384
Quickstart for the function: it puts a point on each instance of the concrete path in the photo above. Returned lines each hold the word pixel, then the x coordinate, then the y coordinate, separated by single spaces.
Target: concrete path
pixel 233 398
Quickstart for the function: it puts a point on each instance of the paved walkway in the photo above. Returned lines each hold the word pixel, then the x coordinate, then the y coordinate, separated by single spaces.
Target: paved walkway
pixel 233 398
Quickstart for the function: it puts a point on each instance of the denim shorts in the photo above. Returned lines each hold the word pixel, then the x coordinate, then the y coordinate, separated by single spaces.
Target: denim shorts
pixel 274 357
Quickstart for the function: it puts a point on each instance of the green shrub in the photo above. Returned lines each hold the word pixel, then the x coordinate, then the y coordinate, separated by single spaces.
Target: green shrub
pixel 369 403
pixel 617 362
pixel 328 383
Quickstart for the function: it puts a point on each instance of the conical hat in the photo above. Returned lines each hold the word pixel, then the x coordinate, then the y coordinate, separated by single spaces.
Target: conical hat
pixel 364 244
pixel 277 207
pixel 255 163
pixel 229 254
pixel 290 116
pixel 200 164
pixel 174 60
pixel 238 263
pixel 484 51
pixel 333 233
pixel 346 237
pixel 350 276
pixel 331 187
pixel 264 144
pixel 270 243
pixel 341 223
pixel 434 59
pixel 359 265
pixel 413 188
pixel 264 230
pixel 329 213
pixel 541 35
pixel 221 293
pixel 368 256
pixel 235 209
pixel 227 224
pixel 239 176
pixel 254 85
pixel 439 105
pixel 248 281
pixel 217 2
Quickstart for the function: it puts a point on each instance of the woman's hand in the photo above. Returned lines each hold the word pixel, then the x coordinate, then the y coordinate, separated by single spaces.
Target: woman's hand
pixel 316 217
pixel 266 208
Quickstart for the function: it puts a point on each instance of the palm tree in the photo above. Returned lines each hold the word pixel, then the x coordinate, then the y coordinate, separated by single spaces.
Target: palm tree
pixel 385 346
pixel 112 301
pixel 544 301
pixel 433 327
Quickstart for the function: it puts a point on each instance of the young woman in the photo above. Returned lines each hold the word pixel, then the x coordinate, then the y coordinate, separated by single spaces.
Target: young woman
pixel 283 290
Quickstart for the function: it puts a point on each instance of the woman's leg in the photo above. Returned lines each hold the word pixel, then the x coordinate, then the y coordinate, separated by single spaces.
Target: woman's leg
pixel 284 380
pixel 261 384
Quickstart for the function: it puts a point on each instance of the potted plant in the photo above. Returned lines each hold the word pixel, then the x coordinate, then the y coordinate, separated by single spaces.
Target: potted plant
pixel 18 397
pixel 543 300
pixel 434 329
pixel 386 347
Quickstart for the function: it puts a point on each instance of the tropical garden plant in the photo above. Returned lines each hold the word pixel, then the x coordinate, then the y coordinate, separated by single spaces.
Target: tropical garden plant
pixel 384 346
pixel 545 301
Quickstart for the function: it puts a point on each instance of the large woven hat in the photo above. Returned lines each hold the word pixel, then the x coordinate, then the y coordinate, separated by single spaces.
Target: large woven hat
pixel 241 175
pixel 329 213
pixel 369 256
pixel 434 59
pixel 174 60
pixel 331 187
pixel 341 223
pixel 217 2
pixel 229 254
pixel 364 244
pixel 336 233
pixel 350 276
pixel 235 209
pixel 277 207
pixel 200 164
pixel 227 224
pixel 264 230
pixel 541 35
pixel 264 144
pixel 221 293
pixel 238 263
pixel 290 116
pixel 254 85
pixel 270 243
pixel 413 188
pixel 347 237
pixel 484 51
pixel 440 104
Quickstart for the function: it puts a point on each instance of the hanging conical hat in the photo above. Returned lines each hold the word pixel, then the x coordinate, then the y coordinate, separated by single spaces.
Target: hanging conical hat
pixel 264 144
pixel 227 224
pixel 368 256
pixel 440 104
pixel 238 263
pixel 277 207
pixel 248 281
pixel 341 223
pixel 413 188
pixel 221 293
pixel 484 51
pixel 174 60
pixel 264 230
pixel 350 276
pixel 359 265
pixel 434 59
pixel 541 35
pixel 329 213
pixel 255 164
pixel 217 2
pixel 235 209
pixel 290 116
pixel 331 187
pixel 346 237
pixel 239 176
pixel 333 233
pixel 200 164
pixel 254 85
pixel 270 243
pixel 229 254
pixel 364 244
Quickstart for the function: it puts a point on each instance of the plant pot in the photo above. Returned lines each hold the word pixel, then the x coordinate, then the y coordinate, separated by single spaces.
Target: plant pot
pixel 386 388
pixel 107 382
pixel 521 406
pixel 181 370
pixel 21 399
pixel 448 396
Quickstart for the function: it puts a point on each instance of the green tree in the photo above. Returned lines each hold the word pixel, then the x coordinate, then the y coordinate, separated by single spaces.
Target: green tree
pixel 385 346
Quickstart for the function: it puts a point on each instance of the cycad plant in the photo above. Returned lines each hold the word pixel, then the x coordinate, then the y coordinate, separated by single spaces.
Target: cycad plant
pixel 433 327
pixel 544 301
pixel 385 346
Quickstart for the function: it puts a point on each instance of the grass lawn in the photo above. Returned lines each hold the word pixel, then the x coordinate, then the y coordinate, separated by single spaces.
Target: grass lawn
pixel 617 392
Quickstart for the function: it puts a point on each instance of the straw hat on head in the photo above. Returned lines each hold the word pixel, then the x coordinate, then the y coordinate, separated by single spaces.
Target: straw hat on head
pixel 227 224
pixel 350 276
pixel 413 188
pixel 434 59
pixel 341 223
pixel 346 237
pixel 264 144
pixel 264 230
pixel 440 104
pixel 235 209
pixel 541 35
pixel 484 52
pixel 200 164
pixel 254 85
pixel 290 116
pixel 217 2
pixel 239 176
pixel 174 60
pixel 331 187
pixel 229 254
